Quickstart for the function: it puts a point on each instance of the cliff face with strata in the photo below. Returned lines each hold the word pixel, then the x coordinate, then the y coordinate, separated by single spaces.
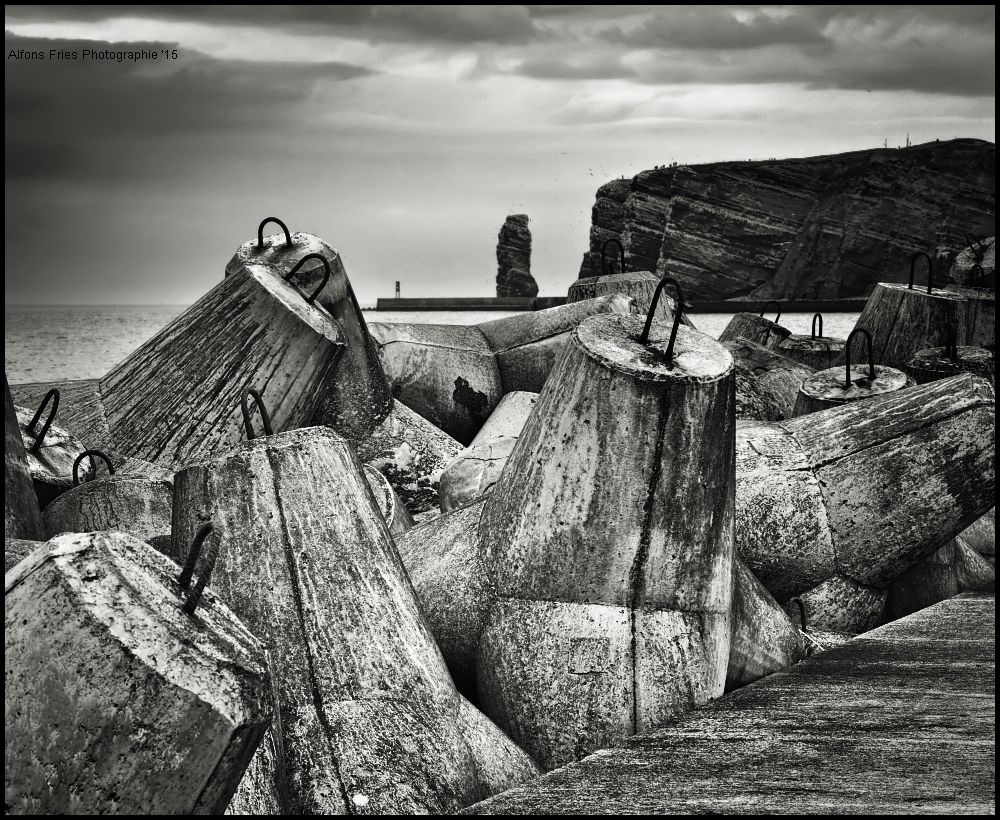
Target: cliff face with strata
pixel 514 258
pixel 827 227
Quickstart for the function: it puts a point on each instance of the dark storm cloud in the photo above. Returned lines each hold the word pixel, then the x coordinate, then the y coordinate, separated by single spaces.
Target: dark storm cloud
pixel 61 115
pixel 931 49
pixel 456 24
pixel 715 27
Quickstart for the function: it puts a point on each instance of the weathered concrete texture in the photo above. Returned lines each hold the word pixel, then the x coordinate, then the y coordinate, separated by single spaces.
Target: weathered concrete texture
pixel 411 453
pixel 819 352
pixel 528 345
pixel 176 399
pixel 446 373
pixel 828 388
pixel 356 395
pixel 827 227
pixel 514 258
pixel 639 286
pixel 776 375
pixel 939 363
pixel 138 506
pixel 16 550
pixel 117 701
pixel 900 720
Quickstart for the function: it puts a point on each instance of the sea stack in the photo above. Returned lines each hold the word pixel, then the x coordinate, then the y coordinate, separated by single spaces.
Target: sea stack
pixel 514 258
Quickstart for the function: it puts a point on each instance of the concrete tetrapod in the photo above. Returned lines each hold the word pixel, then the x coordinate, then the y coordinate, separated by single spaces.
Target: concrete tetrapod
pixel 777 376
pixel 175 400
pixel 446 373
pixel 903 319
pixel 475 470
pixel 118 700
pixel 755 328
pixel 50 449
pixel 815 350
pixel 455 375
pixel 977 261
pixel 527 346
pixel 371 720
pixel 837 386
pixel 141 507
pixel 22 517
pixel 444 561
pixel 853 497
pixel 636 285
pixel 940 362
pixel 356 395
pixel 608 542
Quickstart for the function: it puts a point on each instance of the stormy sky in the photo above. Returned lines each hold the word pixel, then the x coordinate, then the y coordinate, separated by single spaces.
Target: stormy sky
pixel 403 135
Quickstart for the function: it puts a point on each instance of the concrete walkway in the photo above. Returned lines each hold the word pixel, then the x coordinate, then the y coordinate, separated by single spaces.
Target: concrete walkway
pixel 900 720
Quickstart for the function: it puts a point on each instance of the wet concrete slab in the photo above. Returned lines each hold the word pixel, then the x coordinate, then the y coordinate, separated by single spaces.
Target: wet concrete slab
pixel 900 720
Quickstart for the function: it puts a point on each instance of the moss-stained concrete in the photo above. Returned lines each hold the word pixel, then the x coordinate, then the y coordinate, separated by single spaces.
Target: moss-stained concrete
pixel 900 720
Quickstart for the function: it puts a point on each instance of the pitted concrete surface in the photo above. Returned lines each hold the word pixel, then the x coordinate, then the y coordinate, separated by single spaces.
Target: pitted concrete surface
pixel 900 720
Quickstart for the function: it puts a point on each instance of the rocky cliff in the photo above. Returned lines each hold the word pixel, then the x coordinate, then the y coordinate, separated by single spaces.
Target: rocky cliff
pixel 514 258
pixel 826 227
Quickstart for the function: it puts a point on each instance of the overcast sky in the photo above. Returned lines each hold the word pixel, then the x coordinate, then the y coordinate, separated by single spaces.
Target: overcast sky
pixel 403 135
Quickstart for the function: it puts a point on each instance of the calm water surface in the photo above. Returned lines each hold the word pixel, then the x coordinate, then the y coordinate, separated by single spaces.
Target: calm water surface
pixel 50 344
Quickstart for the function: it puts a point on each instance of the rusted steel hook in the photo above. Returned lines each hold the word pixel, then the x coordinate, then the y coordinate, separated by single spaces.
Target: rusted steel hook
pixel 644 336
pixel 53 394
pixel 978 248
pixel 604 259
pixel 818 316
pixel 871 355
pixel 91 453
pixel 326 275
pixel 280 224
pixel 776 304
pixel 194 595
pixel 264 418
pixel 930 269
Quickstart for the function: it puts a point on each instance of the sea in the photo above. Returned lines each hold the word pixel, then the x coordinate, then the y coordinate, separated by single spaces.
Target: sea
pixel 45 343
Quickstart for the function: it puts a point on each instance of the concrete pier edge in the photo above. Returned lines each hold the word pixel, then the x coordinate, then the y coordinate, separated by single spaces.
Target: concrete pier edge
pixel 542 302
pixel 900 720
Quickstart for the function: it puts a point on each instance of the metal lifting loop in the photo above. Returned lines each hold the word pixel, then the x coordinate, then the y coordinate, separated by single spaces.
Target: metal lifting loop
pixel 326 275
pixel 772 302
pixel 194 595
pixel 265 419
pixel 91 453
pixel 951 342
pixel 644 337
pixel 913 268
pixel 39 437
pixel 604 260
pixel 818 316
pixel 871 356
pixel 802 610
pixel 280 224
pixel 978 248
